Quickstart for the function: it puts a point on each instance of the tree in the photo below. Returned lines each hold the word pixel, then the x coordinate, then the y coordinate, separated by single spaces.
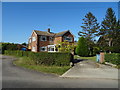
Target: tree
pixel 109 26
pixel 82 48
pixel 90 30
pixel 90 27
pixel 116 37
pixel 24 44
pixel 65 46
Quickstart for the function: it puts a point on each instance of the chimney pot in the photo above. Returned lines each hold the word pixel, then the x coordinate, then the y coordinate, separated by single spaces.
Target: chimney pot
pixel 49 30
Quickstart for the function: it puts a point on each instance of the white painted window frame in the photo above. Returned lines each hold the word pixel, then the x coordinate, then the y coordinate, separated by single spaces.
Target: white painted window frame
pixel 43 47
pixel 41 38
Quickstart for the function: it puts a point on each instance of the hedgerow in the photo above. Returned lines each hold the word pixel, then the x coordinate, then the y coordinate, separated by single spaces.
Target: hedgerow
pixel 113 58
pixel 46 58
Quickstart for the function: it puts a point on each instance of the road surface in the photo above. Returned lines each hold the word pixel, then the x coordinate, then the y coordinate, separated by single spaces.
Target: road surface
pixel 18 77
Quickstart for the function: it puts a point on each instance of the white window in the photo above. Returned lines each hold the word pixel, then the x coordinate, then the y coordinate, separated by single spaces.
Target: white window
pixel 33 38
pixel 33 49
pixel 51 49
pixel 69 39
pixel 50 38
pixel 43 48
pixel 43 38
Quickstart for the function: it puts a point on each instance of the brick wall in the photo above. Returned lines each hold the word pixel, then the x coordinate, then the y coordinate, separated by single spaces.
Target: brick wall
pixel 57 40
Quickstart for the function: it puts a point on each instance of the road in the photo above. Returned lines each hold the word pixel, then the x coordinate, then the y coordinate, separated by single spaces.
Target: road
pixel 18 77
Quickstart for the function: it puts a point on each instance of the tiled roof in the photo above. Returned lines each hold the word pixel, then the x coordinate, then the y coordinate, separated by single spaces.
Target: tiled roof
pixel 44 33
pixel 50 34
pixel 60 33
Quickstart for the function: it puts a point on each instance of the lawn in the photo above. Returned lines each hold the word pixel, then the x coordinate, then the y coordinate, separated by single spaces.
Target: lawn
pixel 27 63
pixel 89 58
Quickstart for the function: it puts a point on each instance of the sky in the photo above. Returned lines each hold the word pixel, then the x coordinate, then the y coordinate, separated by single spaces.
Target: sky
pixel 19 19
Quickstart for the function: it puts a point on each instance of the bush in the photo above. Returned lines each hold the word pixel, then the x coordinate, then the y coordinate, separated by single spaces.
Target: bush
pixel 82 47
pixel 46 58
pixel 113 58
pixel 9 46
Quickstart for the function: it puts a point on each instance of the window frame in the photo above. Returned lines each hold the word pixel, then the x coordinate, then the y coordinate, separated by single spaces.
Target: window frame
pixel 41 38
pixel 50 38
pixel 43 47
pixel 68 37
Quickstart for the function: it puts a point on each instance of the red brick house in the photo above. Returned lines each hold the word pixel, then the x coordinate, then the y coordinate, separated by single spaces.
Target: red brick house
pixel 47 41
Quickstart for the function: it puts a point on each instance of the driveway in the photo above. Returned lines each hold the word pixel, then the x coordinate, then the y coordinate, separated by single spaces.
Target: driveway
pixel 18 77
pixel 91 69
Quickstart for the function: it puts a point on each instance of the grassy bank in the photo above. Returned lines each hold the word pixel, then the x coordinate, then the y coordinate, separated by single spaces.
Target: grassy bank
pixel 27 63
pixel 93 58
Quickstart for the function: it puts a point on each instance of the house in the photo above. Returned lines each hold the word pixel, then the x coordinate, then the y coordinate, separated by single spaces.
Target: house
pixel 46 41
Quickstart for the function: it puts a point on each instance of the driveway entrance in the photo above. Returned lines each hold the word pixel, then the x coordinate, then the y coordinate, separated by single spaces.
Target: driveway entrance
pixel 91 69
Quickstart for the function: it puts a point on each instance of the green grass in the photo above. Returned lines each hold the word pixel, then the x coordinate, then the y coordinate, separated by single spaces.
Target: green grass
pixel 93 58
pixel 27 63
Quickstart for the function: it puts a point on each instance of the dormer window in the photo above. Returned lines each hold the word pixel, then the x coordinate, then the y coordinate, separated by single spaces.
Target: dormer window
pixel 66 38
pixel 43 38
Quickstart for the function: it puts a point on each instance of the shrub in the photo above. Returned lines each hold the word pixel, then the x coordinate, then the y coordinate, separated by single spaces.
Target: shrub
pixel 113 58
pixel 82 47
pixel 46 58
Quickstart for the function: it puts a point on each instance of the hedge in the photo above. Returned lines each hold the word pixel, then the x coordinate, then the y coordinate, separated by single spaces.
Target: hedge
pixel 46 58
pixel 113 58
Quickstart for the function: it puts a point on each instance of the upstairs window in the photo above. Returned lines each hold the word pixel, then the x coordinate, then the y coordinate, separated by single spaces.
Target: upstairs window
pixel 33 38
pixel 69 39
pixel 50 38
pixel 43 38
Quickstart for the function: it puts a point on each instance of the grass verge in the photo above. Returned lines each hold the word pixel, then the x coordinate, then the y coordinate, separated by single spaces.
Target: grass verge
pixel 93 58
pixel 27 63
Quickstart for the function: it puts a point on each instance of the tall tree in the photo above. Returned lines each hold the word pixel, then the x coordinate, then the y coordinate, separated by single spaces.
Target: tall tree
pixel 90 27
pixel 109 26
pixel 90 30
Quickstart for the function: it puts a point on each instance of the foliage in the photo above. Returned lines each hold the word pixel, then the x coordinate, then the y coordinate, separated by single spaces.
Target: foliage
pixel 110 28
pixel 44 58
pixel 93 58
pixel 90 30
pixel 90 27
pixel 24 44
pixel 82 47
pixel 96 50
pixel 26 62
pixel 113 58
pixel 65 46
pixel 10 46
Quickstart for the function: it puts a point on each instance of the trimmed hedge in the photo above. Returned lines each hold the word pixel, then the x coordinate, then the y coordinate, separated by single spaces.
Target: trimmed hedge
pixel 113 58
pixel 46 58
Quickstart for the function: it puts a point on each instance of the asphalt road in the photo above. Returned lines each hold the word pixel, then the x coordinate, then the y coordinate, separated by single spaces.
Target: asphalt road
pixel 17 77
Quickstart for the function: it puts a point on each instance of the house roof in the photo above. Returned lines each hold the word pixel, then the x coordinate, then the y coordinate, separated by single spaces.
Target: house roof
pixel 43 33
pixel 60 33
pixel 50 34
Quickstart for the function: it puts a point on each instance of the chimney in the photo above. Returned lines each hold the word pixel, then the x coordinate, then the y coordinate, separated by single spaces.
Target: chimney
pixel 49 30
